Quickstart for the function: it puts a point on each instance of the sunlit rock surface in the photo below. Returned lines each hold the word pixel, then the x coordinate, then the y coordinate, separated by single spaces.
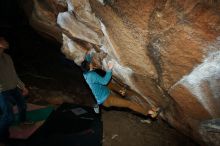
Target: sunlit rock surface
pixel 167 51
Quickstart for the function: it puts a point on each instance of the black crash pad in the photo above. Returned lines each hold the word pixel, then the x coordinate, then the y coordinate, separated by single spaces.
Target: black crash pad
pixel 68 125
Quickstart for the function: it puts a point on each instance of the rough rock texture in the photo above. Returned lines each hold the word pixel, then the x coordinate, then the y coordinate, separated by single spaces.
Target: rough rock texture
pixel 43 14
pixel 210 130
pixel 167 51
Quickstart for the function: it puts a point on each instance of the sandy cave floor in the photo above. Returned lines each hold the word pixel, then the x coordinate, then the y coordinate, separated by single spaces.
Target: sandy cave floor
pixel 52 79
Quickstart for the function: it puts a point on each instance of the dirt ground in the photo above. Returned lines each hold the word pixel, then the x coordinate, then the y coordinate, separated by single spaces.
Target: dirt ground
pixel 52 80
pixel 125 129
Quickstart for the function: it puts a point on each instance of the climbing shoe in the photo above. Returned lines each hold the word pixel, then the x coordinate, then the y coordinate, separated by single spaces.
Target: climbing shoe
pixel 156 112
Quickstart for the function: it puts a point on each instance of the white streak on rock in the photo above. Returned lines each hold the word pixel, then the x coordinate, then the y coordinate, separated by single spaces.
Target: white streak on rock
pixel 108 40
pixel 70 6
pixel 104 49
pixel 120 71
pixel 72 50
pixel 84 14
pixel 101 1
pixel 77 29
pixel 213 46
pixel 124 73
pixel 208 71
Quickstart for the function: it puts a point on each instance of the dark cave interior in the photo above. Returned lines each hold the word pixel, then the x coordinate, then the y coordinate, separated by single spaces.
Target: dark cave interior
pixel 39 61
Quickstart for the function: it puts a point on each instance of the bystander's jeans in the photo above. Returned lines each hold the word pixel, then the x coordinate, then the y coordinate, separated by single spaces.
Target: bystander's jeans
pixel 7 98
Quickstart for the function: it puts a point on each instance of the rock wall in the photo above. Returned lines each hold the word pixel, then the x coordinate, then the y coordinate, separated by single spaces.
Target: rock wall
pixel 167 51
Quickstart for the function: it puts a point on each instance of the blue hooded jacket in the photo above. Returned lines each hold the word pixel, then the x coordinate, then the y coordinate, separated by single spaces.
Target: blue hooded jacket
pixel 98 84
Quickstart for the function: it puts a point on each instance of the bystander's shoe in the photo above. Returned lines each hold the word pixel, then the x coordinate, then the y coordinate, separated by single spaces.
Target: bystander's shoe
pixel 96 108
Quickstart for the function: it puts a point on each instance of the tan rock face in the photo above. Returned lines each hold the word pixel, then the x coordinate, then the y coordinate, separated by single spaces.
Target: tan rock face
pixel 167 51
pixel 43 14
